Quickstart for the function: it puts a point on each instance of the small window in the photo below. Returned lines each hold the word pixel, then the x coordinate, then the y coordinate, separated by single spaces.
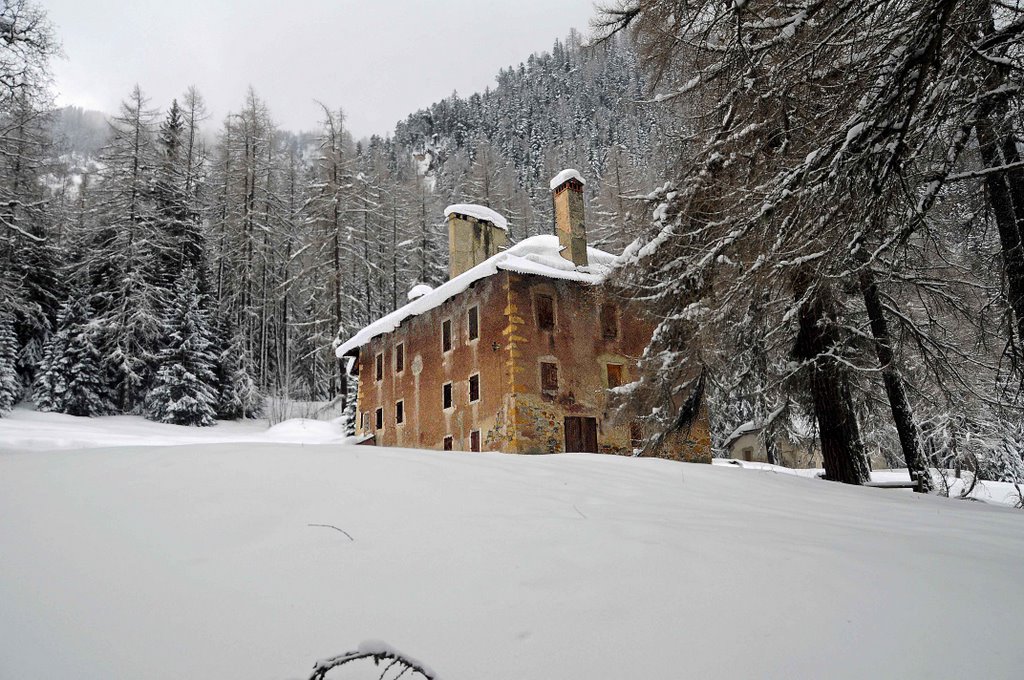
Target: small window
pixel 380 367
pixel 400 357
pixel 379 418
pixel 399 412
pixel 447 446
pixel 446 395
pixel 548 377
pixel 474 387
pixel 748 454
pixel 545 312
pixel 614 374
pixel 474 440
pixel 446 335
pixel 636 434
pixel 474 323
pixel 364 420
pixel 609 322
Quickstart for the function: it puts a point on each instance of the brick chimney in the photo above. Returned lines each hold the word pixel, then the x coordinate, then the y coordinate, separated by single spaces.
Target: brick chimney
pixel 475 233
pixel 567 196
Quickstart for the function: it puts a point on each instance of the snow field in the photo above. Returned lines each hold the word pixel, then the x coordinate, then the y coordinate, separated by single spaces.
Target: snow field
pixel 199 562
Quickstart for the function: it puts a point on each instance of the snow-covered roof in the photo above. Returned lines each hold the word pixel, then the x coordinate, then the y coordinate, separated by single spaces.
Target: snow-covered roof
pixel 419 290
pixel 745 428
pixel 565 175
pixel 537 255
pixel 481 212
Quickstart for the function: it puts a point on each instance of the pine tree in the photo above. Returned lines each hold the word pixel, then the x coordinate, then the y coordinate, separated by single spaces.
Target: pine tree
pixel 237 394
pixel 72 377
pixel 28 259
pixel 185 387
pixel 10 385
pixel 124 255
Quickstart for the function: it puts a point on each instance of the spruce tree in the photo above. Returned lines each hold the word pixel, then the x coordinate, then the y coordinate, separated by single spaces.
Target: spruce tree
pixel 10 386
pixel 185 387
pixel 237 394
pixel 71 379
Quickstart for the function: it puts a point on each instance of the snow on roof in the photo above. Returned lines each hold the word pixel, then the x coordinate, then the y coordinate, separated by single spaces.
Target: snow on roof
pixel 481 212
pixel 537 255
pixel 565 175
pixel 419 290
pixel 745 428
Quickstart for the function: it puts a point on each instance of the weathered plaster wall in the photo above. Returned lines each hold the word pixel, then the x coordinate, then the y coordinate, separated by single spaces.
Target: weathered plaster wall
pixel 471 241
pixel 427 368
pixel 576 345
pixel 513 414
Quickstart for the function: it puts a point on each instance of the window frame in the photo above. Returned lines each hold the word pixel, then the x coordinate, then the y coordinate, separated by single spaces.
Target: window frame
pixel 448 443
pixel 447 336
pixel 379 367
pixel 470 388
pixel 603 319
pixel 637 434
pixel 399 358
pixel 537 298
pixel 400 412
pixel 378 418
pixel 447 393
pixel 475 443
pixel 608 374
pixel 545 372
pixel 473 323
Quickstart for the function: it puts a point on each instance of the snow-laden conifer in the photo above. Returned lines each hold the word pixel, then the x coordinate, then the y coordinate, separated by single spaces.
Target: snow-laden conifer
pixel 72 378
pixel 237 393
pixel 185 386
pixel 10 385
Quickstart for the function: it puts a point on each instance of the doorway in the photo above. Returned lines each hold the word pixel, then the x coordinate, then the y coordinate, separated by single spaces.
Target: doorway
pixel 580 434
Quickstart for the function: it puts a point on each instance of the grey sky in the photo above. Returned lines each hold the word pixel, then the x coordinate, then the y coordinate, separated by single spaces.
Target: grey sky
pixel 377 59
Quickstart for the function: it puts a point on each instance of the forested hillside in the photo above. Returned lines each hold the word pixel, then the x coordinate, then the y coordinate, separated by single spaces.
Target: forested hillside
pixel 167 264
pixel 831 233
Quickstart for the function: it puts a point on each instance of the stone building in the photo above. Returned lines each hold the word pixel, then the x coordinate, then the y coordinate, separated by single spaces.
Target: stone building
pixel 515 353
pixel 798 451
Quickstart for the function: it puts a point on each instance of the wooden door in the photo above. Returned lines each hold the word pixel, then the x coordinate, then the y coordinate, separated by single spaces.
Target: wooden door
pixel 580 434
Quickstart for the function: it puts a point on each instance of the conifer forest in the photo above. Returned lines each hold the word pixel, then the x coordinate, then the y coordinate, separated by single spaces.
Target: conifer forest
pixel 822 204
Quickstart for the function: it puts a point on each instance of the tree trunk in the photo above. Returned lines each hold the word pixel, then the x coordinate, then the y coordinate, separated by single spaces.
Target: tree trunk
pixel 841 446
pixel 902 411
pixel 998 186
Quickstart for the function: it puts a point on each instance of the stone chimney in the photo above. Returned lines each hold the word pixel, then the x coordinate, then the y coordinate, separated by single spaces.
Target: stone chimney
pixel 475 233
pixel 567 196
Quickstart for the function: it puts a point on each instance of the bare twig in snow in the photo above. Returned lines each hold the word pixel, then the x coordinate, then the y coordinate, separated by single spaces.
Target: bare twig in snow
pixel 378 651
pixel 331 526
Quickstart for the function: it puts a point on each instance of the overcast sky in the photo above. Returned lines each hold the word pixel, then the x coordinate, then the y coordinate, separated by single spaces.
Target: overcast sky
pixel 378 59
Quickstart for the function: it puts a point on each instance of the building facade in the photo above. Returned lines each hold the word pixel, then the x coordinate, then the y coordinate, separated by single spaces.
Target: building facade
pixel 516 352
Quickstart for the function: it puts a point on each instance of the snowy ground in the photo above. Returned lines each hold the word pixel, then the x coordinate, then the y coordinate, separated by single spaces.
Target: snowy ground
pixel 199 561
pixel 27 429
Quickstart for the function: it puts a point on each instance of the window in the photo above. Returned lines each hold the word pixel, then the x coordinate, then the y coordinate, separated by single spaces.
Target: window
pixel 399 412
pixel 748 454
pixel 474 440
pixel 364 421
pixel 545 305
pixel 447 446
pixel 474 387
pixel 548 377
pixel 379 418
pixel 380 367
pixel 636 434
pixel 474 323
pixel 446 335
pixel 609 322
pixel 446 395
pixel 614 374
pixel 400 357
